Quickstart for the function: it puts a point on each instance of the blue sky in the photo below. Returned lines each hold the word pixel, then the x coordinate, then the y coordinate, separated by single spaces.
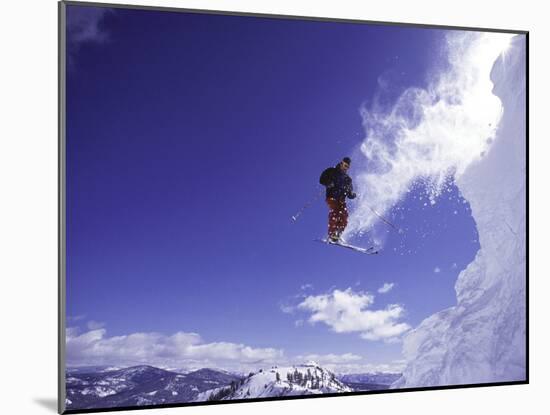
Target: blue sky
pixel 192 140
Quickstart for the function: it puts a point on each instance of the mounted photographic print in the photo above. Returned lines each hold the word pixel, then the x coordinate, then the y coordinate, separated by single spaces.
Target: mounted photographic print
pixel 258 207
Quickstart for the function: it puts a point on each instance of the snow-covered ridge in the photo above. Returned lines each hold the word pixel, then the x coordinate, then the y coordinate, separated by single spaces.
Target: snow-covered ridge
pixel 482 338
pixel 307 379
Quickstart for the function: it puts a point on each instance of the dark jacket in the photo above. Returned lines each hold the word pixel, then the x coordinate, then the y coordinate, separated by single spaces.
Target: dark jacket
pixel 338 183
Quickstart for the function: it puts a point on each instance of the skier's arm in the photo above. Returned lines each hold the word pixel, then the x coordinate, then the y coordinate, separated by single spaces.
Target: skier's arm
pixel 351 194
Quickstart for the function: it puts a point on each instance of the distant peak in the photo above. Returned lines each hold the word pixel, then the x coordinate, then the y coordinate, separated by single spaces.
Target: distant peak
pixel 140 367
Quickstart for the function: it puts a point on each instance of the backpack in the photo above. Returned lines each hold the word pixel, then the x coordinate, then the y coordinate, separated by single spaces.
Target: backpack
pixel 327 176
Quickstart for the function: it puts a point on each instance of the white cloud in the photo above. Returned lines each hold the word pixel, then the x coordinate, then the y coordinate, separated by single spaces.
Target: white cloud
pixel 306 287
pixel 347 312
pixel 330 358
pixel 389 330
pixel 437 270
pixel 94 325
pixel 396 366
pixel 386 288
pixel 189 351
pixel 76 318
pixel 84 24
pixel 181 349
pixel 287 309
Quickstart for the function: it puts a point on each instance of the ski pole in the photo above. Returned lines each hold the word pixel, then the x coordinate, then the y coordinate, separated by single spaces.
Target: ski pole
pixel 399 230
pixel 308 204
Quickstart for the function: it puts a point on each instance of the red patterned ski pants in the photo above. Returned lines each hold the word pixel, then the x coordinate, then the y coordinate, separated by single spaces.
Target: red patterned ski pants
pixel 337 216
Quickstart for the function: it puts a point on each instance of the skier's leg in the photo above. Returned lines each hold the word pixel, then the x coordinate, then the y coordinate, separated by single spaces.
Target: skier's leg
pixel 344 216
pixel 342 221
pixel 332 218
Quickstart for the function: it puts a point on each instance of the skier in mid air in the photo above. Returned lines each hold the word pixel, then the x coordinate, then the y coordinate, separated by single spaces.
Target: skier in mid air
pixel 338 187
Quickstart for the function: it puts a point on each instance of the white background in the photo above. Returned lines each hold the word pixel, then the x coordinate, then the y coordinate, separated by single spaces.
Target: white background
pixel 28 204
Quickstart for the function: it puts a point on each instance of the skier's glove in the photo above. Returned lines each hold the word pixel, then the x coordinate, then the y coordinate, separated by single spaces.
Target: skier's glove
pixel 352 195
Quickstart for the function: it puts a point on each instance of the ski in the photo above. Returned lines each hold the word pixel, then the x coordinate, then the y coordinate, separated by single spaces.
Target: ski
pixel 369 251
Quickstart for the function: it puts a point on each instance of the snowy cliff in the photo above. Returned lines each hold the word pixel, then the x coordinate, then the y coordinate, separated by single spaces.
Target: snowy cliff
pixel 482 338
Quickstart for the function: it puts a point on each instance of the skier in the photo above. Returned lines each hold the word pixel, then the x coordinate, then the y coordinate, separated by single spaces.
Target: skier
pixel 339 187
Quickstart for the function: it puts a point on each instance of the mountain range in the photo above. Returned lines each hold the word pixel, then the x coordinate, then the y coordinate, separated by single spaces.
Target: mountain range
pixel 96 387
